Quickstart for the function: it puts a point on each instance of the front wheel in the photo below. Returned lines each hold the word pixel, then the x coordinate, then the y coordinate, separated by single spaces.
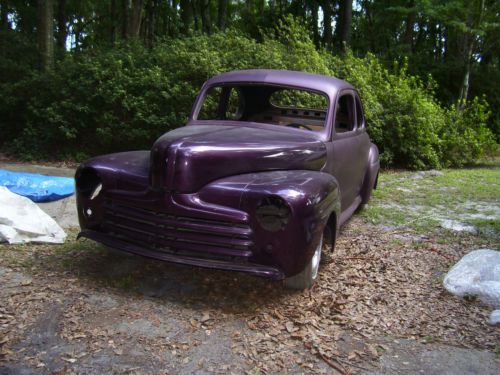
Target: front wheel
pixel 306 278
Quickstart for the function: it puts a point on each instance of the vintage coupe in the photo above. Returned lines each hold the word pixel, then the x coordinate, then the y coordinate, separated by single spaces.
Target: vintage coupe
pixel 269 166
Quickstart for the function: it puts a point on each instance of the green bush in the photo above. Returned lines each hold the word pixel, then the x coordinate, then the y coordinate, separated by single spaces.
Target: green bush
pixel 92 103
pixel 466 138
pixel 123 98
pixel 403 118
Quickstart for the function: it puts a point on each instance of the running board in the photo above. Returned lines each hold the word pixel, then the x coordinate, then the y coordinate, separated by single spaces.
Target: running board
pixel 347 213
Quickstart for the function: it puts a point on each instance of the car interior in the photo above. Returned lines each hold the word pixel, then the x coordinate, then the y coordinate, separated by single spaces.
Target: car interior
pixel 268 104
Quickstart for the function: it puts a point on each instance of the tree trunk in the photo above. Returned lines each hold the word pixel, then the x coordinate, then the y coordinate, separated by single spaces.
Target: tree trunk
pixel 419 41
pixel 45 34
pixel 186 16
pixel 259 6
pixel 135 18
pixel 151 20
pixel 196 14
pixel 432 31
pixel 173 24
pixel 470 45
pixel 410 22
pixel 112 21
pixel 62 31
pixel 464 90
pixel 327 23
pixel 344 23
pixel 314 15
pixel 369 16
pixel 125 18
pixel 221 14
pixel 439 44
pixel 4 16
pixel 205 16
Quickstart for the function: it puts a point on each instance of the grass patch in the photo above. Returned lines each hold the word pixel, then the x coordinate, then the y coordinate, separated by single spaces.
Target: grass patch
pixel 428 339
pixel 127 282
pixel 453 199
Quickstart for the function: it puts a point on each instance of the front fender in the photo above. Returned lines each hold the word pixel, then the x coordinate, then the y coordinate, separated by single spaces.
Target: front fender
pixel 311 197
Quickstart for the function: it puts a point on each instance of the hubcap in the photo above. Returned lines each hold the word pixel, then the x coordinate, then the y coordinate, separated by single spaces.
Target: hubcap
pixel 316 259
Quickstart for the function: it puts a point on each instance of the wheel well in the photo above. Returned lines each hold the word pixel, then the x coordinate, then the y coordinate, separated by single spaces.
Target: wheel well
pixel 330 231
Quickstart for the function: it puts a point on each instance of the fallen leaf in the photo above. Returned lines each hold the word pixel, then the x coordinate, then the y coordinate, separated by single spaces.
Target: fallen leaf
pixel 205 317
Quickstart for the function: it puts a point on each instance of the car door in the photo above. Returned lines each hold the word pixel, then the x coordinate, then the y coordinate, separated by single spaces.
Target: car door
pixel 349 147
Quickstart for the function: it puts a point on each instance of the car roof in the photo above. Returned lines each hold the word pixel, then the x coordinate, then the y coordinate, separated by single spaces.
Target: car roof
pixel 317 82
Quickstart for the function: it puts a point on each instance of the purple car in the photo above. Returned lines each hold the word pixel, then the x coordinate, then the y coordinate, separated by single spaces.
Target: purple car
pixel 269 166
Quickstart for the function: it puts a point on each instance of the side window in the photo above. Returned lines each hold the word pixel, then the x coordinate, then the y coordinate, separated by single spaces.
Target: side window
pixel 209 108
pixel 234 109
pixel 344 114
pixel 359 114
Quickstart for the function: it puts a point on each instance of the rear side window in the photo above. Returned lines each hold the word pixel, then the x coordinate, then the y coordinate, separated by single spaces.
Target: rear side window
pixel 299 99
pixel 359 114
pixel 344 114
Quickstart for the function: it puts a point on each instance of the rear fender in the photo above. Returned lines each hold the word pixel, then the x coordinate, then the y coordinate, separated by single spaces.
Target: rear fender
pixel 371 174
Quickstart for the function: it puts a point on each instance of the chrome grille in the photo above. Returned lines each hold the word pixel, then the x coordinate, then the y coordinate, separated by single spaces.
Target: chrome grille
pixel 186 236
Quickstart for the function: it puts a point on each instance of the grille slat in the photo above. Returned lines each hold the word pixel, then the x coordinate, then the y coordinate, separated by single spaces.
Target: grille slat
pixel 170 232
pixel 182 223
pixel 186 236
pixel 176 247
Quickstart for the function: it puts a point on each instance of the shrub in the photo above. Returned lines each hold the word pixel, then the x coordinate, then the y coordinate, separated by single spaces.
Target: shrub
pixel 403 118
pixel 122 98
pixel 466 138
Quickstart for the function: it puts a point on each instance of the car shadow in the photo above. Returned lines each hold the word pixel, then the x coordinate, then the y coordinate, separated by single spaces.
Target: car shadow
pixel 136 276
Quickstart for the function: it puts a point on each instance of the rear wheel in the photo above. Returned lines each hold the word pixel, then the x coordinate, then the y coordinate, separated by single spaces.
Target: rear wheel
pixel 365 197
pixel 306 278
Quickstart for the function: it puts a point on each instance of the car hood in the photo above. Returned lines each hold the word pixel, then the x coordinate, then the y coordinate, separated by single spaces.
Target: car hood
pixel 186 159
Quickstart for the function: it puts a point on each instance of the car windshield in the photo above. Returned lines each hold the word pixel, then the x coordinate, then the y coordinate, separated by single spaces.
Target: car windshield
pixel 277 105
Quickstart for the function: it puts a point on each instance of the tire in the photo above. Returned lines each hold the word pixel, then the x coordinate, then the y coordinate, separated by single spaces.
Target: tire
pixel 365 197
pixel 306 278
pixel 329 239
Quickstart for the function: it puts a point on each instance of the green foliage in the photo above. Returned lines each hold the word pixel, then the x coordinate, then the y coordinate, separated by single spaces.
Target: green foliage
pixel 92 104
pixel 124 97
pixel 403 118
pixel 466 138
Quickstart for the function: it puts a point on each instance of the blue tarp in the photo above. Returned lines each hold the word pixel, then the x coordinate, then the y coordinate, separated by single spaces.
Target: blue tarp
pixel 37 187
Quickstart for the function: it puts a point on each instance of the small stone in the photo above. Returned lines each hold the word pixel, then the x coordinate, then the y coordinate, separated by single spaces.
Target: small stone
pixel 495 317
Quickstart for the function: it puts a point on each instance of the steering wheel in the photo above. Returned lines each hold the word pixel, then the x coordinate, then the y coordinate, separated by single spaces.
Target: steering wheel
pixel 298 126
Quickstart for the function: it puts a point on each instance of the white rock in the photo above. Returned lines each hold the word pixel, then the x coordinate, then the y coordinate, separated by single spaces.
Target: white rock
pixel 495 317
pixel 476 274
pixel 457 226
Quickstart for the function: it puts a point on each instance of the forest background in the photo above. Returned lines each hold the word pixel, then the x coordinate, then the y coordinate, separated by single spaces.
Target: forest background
pixel 83 77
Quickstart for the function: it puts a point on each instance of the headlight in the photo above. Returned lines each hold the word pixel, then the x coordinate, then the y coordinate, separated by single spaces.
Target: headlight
pixel 273 213
pixel 88 183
